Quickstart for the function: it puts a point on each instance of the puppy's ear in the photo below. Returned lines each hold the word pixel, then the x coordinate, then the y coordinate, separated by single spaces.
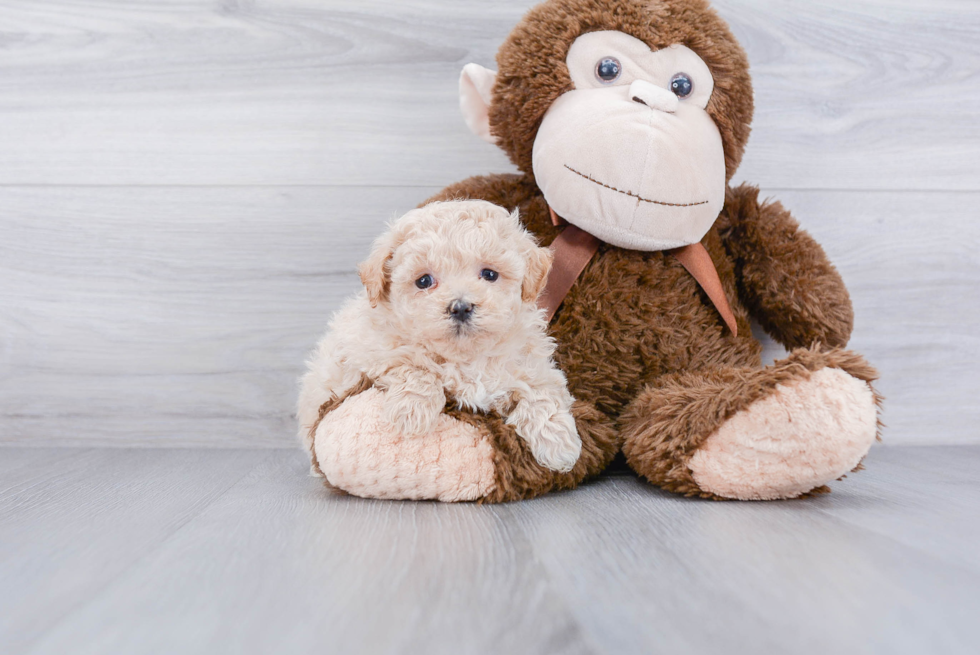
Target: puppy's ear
pixel 536 276
pixel 374 272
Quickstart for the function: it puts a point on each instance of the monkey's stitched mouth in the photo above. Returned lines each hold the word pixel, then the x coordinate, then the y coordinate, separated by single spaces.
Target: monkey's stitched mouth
pixel 633 195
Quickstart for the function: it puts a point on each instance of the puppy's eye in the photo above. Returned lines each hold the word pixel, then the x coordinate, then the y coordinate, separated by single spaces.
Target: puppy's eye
pixel 608 70
pixel 681 85
pixel 424 282
pixel 489 275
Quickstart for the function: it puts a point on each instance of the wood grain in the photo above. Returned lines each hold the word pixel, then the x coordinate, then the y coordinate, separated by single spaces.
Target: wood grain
pixel 910 263
pixel 681 575
pixel 279 564
pixel 171 315
pixel 71 521
pixel 160 551
pixel 181 316
pixel 850 94
pixel 900 497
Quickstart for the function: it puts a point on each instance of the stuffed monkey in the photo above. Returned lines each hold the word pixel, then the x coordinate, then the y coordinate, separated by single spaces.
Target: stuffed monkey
pixel 627 119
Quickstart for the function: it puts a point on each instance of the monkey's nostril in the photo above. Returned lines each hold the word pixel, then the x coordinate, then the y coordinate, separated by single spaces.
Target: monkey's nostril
pixel 461 310
pixel 653 96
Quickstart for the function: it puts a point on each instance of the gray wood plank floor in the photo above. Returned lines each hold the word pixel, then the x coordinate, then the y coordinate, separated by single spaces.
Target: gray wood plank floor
pixel 212 551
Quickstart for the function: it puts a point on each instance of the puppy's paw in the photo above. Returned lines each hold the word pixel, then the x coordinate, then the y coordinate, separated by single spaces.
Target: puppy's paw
pixel 554 443
pixel 412 414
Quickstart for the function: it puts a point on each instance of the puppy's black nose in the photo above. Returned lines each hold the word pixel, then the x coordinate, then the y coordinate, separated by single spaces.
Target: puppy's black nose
pixel 460 310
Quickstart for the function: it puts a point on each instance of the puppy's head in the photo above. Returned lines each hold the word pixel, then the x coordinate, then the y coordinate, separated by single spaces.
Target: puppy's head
pixel 456 275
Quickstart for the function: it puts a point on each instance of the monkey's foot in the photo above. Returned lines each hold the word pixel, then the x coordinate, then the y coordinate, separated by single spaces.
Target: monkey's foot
pixel 779 432
pixel 802 437
pixel 364 455
pixel 466 456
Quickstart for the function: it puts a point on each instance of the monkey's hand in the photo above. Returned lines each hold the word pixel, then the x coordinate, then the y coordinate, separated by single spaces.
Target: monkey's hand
pixel 546 424
pixel 785 279
pixel 414 399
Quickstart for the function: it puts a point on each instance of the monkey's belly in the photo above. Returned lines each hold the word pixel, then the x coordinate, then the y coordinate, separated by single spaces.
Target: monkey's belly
pixel 634 316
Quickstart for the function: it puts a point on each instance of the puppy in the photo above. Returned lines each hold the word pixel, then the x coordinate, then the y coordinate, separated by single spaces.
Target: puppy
pixel 448 312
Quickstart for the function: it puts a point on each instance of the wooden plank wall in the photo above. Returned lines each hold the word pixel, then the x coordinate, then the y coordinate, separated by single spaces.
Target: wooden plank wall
pixel 186 186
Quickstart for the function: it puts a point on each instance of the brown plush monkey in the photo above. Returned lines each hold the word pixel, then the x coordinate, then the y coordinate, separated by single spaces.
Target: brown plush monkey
pixel 627 118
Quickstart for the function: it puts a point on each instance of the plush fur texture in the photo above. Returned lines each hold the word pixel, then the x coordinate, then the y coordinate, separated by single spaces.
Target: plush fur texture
pixel 655 371
pixel 768 450
pixel 360 453
pixel 627 161
pixel 408 341
pixel 372 459
pixel 532 72
pixel 634 320
pixel 637 335
pixel 519 476
pixel 667 424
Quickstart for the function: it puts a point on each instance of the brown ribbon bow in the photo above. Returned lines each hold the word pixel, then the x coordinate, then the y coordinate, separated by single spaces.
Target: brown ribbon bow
pixel 574 248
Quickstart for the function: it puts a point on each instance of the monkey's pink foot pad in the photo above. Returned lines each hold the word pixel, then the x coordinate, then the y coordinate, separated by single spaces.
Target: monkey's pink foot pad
pixel 364 455
pixel 804 435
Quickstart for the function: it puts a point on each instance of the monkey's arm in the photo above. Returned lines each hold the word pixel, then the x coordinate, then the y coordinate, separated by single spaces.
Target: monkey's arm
pixel 507 190
pixel 784 276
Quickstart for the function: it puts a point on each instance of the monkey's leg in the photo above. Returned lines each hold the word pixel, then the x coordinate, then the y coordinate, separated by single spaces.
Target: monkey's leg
pixel 755 434
pixel 466 457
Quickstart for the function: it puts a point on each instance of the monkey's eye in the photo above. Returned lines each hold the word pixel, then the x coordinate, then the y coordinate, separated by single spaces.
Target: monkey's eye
pixel 489 275
pixel 608 70
pixel 424 282
pixel 681 85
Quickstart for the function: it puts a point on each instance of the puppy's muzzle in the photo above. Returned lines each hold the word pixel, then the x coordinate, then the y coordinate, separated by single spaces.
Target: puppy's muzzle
pixel 460 311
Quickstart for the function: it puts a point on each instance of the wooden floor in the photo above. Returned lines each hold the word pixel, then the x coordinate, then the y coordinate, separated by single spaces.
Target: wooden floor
pixel 239 551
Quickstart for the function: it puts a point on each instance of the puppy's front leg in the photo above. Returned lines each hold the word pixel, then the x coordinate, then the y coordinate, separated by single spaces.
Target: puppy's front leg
pixel 414 398
pixel 543 420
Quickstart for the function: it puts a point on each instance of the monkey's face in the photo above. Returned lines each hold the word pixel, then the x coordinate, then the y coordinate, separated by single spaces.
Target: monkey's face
pixel 630 115
pixel 630 154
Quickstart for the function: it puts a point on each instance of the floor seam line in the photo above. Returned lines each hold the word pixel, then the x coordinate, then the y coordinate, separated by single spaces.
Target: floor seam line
pixel 109 584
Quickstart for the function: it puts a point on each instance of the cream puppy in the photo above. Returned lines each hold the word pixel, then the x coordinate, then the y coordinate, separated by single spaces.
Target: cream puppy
pixel 448 312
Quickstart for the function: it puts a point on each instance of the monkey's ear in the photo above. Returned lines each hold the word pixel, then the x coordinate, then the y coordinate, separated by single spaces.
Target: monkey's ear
pixel 475 94
pixel 536 276
pixel 374 270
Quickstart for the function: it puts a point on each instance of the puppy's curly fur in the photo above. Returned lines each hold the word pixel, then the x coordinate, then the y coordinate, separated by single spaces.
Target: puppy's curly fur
pixel 492 354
